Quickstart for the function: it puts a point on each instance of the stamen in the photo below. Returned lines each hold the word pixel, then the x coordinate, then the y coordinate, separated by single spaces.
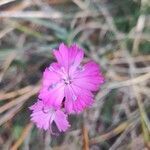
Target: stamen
pixel 67 81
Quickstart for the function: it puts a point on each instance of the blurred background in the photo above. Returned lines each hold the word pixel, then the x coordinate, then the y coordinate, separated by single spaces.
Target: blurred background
pixel 114 33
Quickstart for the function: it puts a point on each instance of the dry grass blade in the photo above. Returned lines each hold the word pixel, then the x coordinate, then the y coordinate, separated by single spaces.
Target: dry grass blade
pixel 5 96
pixel 144 119
pixel 3 2
pixel 6 31
pixel 6 64
pixel 20 6
pixel 30 14
pixel 47 141
pixel 80 4
pixel 22 137
pixel 19 100
pixel 138 30
pixel 129 82
pixel 110 134
pixel 10 114
pixel 85 138
pixel 135 59
pixel 56 2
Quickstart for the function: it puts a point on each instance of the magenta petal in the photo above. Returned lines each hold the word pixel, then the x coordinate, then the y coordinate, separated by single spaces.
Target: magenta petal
pixel 76 55
pixel 77 99
pixel 37 106
pixel 52 95
pixel 69 57
pixel 69 99
pixel 52 90
pixel 44 116
pixel 89 77
pixel 50 77
pixel 41 119
pixel 62 55
pixel 84 99
pixel 61 121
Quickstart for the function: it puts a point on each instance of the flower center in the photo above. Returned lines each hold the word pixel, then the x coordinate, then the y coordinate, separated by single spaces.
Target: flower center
pixel 67 80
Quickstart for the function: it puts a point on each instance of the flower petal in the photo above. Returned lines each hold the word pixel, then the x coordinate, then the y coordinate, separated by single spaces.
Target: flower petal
pixel 50 77
pixel 76 55
pixel 41 119
pixel 69 56
pixel 77 99
pixel 89 77
pixel 62 55
pixel 61 120
pixel 52 95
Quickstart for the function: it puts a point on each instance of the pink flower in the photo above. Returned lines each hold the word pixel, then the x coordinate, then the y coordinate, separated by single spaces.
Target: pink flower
pixel 44 116
pixel 69 81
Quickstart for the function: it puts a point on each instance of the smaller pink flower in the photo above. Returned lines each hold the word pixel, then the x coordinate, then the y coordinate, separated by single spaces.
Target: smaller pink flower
pixel 43 116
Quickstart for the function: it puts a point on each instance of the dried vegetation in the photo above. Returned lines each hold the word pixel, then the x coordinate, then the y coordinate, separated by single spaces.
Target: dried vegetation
pixel 115 34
